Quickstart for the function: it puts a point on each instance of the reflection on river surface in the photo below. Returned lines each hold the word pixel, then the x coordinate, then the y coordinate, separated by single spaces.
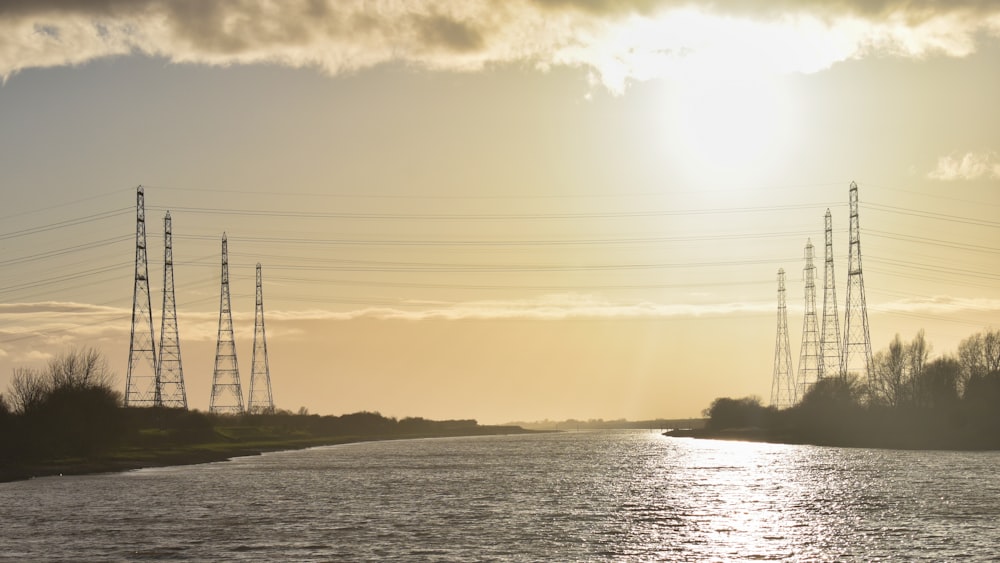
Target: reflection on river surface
pixel 576 496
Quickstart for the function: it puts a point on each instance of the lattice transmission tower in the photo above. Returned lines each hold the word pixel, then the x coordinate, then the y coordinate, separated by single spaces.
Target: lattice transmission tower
pixel 783 392
pixel 142 386
pixel 809 353
pixel 227 395
pixel 260 400
pixel 169 370
pixel 857 350
pixel 829 339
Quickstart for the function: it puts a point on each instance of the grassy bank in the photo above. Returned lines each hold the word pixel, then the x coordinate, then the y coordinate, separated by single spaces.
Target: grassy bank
pixel 162 437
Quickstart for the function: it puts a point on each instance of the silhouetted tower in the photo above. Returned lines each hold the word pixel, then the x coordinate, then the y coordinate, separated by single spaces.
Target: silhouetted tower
pixel 829 340
pixel 169 370
pixel 809 353
pixel 142 387
pixel 783 393
pixel 857 350
pixel 260 399
pixel 227 395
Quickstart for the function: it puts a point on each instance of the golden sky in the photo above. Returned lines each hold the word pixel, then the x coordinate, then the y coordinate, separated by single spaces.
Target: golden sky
pixel 495 210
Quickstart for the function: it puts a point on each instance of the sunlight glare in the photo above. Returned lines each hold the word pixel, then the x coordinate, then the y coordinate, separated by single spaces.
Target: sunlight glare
pixel 733 130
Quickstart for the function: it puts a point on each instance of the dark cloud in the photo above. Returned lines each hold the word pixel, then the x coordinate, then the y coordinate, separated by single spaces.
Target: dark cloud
pixel 608 6
pixel 21 8
pixel 445 32
pixel 321 8
pixel 349 35
pixel 239 25
pixel 872 9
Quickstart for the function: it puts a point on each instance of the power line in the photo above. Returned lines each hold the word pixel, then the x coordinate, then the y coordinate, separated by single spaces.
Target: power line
pixel 66 223
pixel 507 196
pixel 374 283
pixel 65 251
pixel 516 242
pixel 931 215
pixel 63 204
pixel 485 216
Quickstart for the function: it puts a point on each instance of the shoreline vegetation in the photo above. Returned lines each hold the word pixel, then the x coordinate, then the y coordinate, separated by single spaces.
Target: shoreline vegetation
pixel 909 402
pixel 617 424
pixel 67 420
pixel 162 437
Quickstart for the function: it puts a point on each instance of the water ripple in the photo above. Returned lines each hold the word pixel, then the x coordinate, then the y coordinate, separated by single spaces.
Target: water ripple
pixel 585 496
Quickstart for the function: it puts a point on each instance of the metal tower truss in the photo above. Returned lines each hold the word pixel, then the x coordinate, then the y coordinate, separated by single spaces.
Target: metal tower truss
pixel 829 339
pixel 142 386
pixel 260 400
pixel 857 346
pixel 809 353
pixel 169 370
pixel 227 395
pixel 783 392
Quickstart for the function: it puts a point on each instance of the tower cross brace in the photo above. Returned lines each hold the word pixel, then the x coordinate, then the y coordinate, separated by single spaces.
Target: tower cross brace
pixel 142 385
pixel 260 400
pixel 227 394
pixel 857 345
pixel 783 392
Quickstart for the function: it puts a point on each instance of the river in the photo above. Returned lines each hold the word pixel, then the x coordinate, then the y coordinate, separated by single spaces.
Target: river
pixel 574 496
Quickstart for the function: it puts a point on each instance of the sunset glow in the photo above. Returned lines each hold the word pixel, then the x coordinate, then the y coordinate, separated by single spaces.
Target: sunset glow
pixel 495 210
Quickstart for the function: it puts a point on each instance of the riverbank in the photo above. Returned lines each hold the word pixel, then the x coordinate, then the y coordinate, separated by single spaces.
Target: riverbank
pixel 132 459
pixel 166 437
pixel 939 438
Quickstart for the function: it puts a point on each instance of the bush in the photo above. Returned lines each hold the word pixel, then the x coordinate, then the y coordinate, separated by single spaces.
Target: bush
pixel 69 410
pixel 736 413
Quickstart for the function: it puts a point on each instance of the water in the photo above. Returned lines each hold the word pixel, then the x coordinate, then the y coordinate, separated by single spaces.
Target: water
pixel 579 496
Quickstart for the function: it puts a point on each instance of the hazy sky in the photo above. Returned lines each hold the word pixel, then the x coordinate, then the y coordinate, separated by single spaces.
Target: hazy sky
pixel 502 210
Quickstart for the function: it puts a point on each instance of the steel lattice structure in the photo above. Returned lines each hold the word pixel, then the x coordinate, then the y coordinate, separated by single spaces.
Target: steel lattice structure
pixel 829 340
pixel 783 392
pixel 169 370
pixel 260 400
pixel 227 394
pixel 857 345
pixel 809 352
pixel 142 386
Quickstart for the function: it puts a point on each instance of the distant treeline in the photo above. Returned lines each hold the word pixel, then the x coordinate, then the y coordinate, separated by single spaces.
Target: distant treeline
pixel 617 424
pixel 952 402
pixel 69 412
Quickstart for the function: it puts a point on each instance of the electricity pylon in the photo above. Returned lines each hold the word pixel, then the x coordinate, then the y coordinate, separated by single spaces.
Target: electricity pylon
pixel 227 395
pixel 142 386
pixel 857 350
pixel 260 400
pixel 809 356
pixel 829 340
pixel 169 370
pixel 783 393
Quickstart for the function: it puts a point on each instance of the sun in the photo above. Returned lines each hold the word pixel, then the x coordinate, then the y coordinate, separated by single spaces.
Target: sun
pixel 732 130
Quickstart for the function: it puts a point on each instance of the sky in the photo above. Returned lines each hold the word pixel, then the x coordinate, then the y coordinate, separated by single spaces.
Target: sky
pixel 500 210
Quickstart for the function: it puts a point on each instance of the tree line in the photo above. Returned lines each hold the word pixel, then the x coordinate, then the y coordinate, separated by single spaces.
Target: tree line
pixel 67 409
pixel 70 410
pixel 952 401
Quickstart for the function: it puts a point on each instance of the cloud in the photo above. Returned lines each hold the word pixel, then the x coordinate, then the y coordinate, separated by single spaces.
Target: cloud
pixel 58 324
pixel 940 305
pixel 547 307
pixel 619 41
pixel 970 166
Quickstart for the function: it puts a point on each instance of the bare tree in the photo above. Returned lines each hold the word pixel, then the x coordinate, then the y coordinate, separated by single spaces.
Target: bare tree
pixel 890 379
pixel 991 350
pixel 979 355
pixel 28 389
pixel 80 368
pixel 936 386
pixel 898 369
